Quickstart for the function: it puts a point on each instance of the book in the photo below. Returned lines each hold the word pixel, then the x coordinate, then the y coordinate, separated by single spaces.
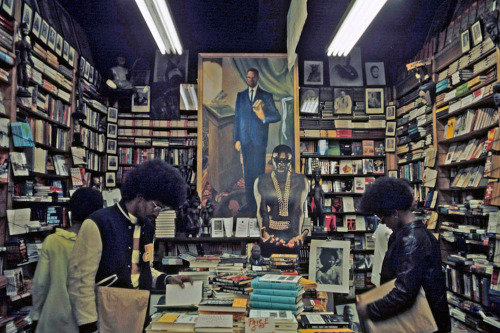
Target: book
pixel 4 132
pixel 280 292
pixel 175 321
pixel 241 227
pixel 214 323
pixel 223 305
pixel 357 148
pixel 217 225
pixel 4 167
pixel 368 147
pixel 295 308
pixel 333 148
pixel 21 134
pixel 322 320
pixel 345 167
pixel 274 299
pixel 257 284
pixel 19 164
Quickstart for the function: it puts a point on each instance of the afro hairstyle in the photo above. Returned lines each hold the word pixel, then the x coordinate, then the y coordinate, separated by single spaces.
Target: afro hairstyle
pixel 386 195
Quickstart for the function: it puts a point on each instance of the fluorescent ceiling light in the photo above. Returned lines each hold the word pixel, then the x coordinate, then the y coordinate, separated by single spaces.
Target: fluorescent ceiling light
pixel 359 16
pixel 161 24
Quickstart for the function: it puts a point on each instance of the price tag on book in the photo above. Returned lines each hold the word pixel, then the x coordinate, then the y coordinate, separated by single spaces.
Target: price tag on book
pixel 261 325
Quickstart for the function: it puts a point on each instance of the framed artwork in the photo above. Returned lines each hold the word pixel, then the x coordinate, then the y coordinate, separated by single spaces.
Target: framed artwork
pixel 37 24
pixel 44 31
pixel 112 130
pixel 91 74
pixel 110 179
pixel 59 44
pixel 8 7
pixel 112 115
pixel 350 314
pixel 477 37
pixel 51 42
pixel 65 52
pixel 309 100
pixel 390 145
pixel 342 101
pixel 392 173
pixel 465 38
pixel 189 96
pixel 81 66
pixel 141 100
pixel 374 99
pixel 171 67
pixel 313 72
pixel 111 146
pixel 375 73
pixel 86 72
pixel 329 265
pixel 112 162
pixel 71 56
pixel 224 107
pixel 390 130
pixel 346 71
pixel 27 15
pixel 390 112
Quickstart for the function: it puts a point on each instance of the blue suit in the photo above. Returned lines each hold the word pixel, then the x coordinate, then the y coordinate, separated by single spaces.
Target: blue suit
pixel 253 133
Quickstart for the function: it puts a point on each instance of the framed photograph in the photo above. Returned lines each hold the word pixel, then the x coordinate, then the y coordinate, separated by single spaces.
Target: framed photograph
pixel 141 100
pixel 91 74
pixel 51 42
pixel 81 66
pixel 223 86
pixel 112 130
pixel 390 130
pixel 27 15
pixel 217 225
pixel 350 314
pixel 112 115
pixel 65 52
pixel 313 72
pixel 189 96
pixel 390 145
pixel 465 38
pixel 111 146
pixel 112 162
pixel 375 73
pixel 171 67
pixel 477 37
pixel 110 179
pixel 71 56
pixel 309 100
pixel 346 71
pixel 37 24
pixel 44 31
pixel 8 7
pixel 392 173
pixel 390 112
pixel 374 99
pixel 59 44
pixel 342 103
pixel 329 265
pixel 86 72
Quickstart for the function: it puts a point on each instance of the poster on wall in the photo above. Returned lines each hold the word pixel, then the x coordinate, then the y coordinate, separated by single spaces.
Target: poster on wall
pixel 346 71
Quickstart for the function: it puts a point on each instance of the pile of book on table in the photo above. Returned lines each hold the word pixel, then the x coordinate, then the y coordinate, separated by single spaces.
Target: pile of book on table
pixel 277 292
pixel 322 320
pixel 284 262
pixel 284 321
pixel 231 283
pixel 235 308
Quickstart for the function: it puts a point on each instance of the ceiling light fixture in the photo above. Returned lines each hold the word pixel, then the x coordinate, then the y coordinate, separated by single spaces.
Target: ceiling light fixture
pixel 360 15
pixel 161 24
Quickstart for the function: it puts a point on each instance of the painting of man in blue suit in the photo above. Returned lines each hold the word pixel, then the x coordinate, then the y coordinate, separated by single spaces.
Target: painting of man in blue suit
pixel 254 111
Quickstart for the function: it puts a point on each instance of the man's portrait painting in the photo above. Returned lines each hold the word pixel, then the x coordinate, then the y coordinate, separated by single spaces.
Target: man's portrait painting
pixel 313 72
pixel 247 105
pixel 329 265
pixel 348 70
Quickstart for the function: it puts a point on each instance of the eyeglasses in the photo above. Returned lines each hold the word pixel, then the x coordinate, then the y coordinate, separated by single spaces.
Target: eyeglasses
pixel 282 160
pixel 159 209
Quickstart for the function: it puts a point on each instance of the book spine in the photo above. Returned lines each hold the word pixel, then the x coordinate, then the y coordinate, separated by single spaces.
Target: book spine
pixel 273 299
pixel 271 285
pixel 276 292
pixel 274 306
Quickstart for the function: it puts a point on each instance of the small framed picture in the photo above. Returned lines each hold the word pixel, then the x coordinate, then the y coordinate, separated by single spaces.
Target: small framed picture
pixel 392 173
pixel 96 76
pixel 112 130
pixel 111 146
pixel 390 112
pixel 27 15
pixel 329 265
pixel 65 53
pixel 112 162
pixel 91 74
pixel 87 70
pixel 465 41
pixel 140 99
pixel 37 24
pixel 59 44
pixel 81 66
pixel 390 130
pixel 374 98
pixel 110 179
pixel 8 7
pixel 477 37
pixel 44 32
pixel 112 115
pixel 313 72
pixel 390 145
pixel 71 56
pixel 342 100
pixel 375 73
pixel 51 42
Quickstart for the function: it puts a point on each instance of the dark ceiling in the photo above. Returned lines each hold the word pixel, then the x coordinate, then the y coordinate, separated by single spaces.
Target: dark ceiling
pixel 250 26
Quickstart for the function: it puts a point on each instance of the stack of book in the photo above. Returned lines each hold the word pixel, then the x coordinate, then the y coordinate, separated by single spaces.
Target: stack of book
pixel 277 292
pixel 322 321
pixel 236 284
pixel 284 321
pixel 165 224
pixel 284 262
pixel 172 322
pixel 236 309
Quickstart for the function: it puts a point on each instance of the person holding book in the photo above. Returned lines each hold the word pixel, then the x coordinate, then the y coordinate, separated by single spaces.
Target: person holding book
pixel 115 245
pixel 51 311
pixel 413 256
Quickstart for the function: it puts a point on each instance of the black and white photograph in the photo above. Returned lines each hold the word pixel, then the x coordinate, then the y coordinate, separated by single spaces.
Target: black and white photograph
pixel 217 227
pixel 112 115
pixel 91 74
pixel 342 101
pixel 44 31
pixel 86 73
pixel 309 100
pixel 477 37
pixel 140 77
pixel 71 56
pixel 390 130
pixel 390 112
pixel 110 179
pixel 112 130
pixel 59 44
pixel 111 146
pixel 374 99
pixel 141 99
pixel 51 41
pixel 189 96
pixel 329 265
pixel 313 72
pixel 375 73
pixel 348 70
pixel 8 7
pixel 350 315
pixel 465 38
pixel 27 15
pixel 37 24
pixel 171 68
pixel 112 162
pixel 65 53
pixel 81 66
pixel 390 145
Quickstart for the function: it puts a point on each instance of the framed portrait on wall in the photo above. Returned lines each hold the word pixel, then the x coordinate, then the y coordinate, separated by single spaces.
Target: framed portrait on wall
pixel 111 146
pixel 329 265
pixel 346 71
pixel 390 112
pixel 71 56
pixel 465 40
pixel 27 15
pixel 110 179
pixel 390 130
pixel 112 162
pixel 313 72
pixel 112 115
pixel 59 44
pixel 112 130
pixel 390 145
pixel 374 99
pixel 375 73
pixel 226 106
pixel 477 36
pixel 141 99
pixel 37 24
pixel 8 7
pixel 342 103
pixel 51 41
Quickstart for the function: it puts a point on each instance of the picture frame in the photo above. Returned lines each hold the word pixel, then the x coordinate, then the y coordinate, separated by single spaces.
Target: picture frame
pixel 465 41
pixel 390 112
pixel 112 115
pixel 346 71
pixel 375 73
pixel 374 99
pixel 168 66
pixel 112 162
pixel 392 173
pixel 71 56
pixel 37 25
pixel 141 99
pixel 348 310
pixel 313 72
pixel 91 74
pixel 110 179
pixel 65 52
pixel 330 277
pixel 51 41
pixel 81 66
pixel 112 131
pixel 217 227
pixel 86 73
pixel 477 36
pixel 111 146
pixel 27 15
pixel 309 100
pixel 8 7
pixel 342 100
pixel 44 31
pixel 59 44
pixel 390 129
pixel 226 74
pixel 189 96
pixel 390 145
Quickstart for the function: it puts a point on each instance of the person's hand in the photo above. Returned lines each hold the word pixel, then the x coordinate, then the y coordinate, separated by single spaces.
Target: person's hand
pixel 179 279
pixel 297 241
pixel 265 235
pixel 237 145
pixel 257 109
pixel 361 306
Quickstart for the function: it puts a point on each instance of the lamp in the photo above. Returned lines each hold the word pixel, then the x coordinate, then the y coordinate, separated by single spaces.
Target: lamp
pixel 161 24
pixel 358 17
